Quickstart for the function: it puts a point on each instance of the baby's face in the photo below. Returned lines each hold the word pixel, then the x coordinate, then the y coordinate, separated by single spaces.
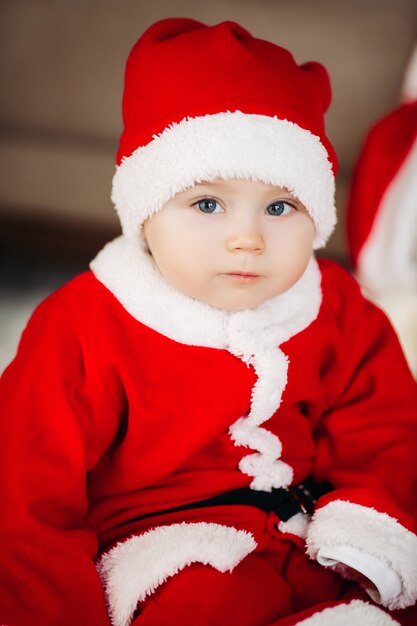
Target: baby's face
pixel 232 244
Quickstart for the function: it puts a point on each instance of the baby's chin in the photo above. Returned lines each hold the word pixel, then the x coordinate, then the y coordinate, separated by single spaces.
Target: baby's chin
pixel 234 304
pixel 243 298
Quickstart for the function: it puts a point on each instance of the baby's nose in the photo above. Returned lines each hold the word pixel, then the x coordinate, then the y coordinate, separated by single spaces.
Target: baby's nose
pixel 246 240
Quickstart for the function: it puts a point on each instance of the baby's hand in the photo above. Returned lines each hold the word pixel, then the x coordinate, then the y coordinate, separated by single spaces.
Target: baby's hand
pixel 352 574
pixel 375 576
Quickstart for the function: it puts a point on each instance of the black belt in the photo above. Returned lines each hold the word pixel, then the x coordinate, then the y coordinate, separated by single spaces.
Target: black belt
pixel 284 502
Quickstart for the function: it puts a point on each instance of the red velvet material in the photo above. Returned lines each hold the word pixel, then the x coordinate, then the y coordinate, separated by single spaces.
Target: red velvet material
pixel 270 584
pixel 183 68
pixel 102 419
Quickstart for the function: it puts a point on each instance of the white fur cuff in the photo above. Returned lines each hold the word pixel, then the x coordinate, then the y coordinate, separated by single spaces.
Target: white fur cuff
pixel 378 534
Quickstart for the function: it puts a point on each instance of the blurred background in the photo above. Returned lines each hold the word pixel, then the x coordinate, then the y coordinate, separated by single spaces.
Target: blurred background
pixel 62 64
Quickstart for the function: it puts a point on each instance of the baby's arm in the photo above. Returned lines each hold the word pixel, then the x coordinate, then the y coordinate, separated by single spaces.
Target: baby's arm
pixel 48 435
pixel 367 448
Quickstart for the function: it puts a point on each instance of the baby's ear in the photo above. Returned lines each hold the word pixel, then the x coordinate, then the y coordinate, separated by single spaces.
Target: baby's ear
pixel 321 78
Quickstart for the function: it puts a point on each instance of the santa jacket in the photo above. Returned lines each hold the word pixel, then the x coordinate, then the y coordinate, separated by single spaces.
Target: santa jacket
pixel 127 398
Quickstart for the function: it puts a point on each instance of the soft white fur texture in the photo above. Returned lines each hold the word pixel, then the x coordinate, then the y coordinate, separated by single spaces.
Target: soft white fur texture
pixel 387 263
pixel 356 613
pixel 129 272
pixel 345 523
pixel 296 525
pixel 133 569
pixel 254 336
pixel 271 366
pixel 226 145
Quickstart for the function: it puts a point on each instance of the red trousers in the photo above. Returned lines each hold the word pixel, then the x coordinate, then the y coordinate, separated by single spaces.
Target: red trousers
pixel 277 585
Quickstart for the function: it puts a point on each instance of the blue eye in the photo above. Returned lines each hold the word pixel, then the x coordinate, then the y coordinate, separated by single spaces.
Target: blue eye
pixel 279 208
pixel 208 205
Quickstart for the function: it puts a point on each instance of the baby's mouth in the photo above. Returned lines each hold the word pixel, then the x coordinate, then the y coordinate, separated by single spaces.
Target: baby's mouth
pixel 246 277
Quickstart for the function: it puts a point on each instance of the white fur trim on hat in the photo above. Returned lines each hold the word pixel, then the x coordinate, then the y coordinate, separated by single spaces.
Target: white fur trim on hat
pixel 133 569
pixel 345 523
pixel 226 145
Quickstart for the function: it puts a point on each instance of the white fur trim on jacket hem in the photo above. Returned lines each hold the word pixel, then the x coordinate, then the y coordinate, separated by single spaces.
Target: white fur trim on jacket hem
pixel 133 569
pixel 226 145
pixel 356 613
pixel 345 523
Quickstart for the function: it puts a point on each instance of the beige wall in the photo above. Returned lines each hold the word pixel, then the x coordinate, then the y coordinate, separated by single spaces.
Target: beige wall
pixel 62 70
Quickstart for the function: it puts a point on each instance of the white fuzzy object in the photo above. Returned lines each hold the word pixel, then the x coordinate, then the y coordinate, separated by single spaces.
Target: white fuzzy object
pixel 267 471
pixel 387 263
pixel 133 569
pixel 127 269
pixel 378 534
pixel 226 145
pixel 253 335
pixel 296 525
pixel 356 613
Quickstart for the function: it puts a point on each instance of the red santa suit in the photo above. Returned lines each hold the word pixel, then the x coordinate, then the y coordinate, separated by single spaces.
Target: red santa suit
pixel 382 215
pixel 128 398
pixel 130 404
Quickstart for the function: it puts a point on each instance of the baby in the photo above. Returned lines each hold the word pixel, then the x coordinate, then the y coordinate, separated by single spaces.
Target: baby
pixel 210 427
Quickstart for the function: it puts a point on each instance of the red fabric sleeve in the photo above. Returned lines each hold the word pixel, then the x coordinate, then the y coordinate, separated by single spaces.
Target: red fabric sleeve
pixel 367 445
pixel 367 437
pixel 50 397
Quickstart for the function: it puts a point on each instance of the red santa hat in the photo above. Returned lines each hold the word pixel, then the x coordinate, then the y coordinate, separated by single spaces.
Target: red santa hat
pixel 382 205
pixel 202 102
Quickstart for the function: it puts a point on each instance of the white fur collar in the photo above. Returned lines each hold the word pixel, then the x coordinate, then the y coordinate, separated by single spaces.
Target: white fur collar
pixel 254 336
pixel 128 271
